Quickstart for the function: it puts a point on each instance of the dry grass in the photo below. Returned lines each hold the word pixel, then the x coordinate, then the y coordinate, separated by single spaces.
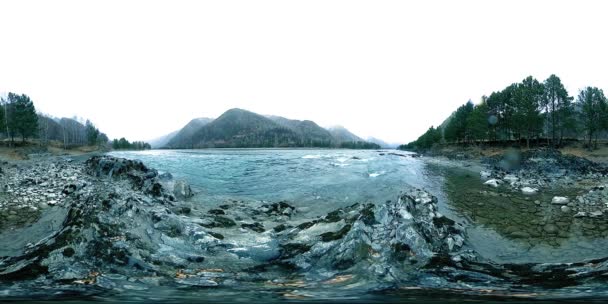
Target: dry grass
pixel 600 155
pixel 21 150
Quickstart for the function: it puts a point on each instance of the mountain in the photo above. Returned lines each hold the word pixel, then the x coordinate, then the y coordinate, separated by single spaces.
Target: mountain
pixel 341 134
pixel 238 128
pixel 184 137
pixel 162 141
pixel 305 128
pixel 381 143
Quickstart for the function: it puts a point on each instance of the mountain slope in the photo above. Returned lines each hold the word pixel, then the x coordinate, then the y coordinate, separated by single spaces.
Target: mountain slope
pixel 162 141
pixel 238 128
pixel 183 138
pixel 307 129
pixel 341 134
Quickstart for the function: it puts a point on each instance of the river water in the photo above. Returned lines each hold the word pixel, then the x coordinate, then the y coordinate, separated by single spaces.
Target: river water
pixel 318 181
pixel 315 180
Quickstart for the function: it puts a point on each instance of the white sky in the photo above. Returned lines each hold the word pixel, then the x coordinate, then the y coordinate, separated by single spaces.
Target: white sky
pixel 388 69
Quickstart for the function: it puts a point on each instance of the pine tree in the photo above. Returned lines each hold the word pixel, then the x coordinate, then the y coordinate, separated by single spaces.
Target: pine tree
pixel 528 101
pixel 22 118
pixel 593 114
pixel 557 106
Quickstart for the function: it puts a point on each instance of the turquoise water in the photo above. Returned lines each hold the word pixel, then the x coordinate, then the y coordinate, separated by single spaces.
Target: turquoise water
pixel 319 179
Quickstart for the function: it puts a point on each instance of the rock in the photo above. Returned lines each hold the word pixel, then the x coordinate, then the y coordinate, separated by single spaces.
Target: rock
pixel 551 229
pixel 565 209
pixel 560 200
pixel 529 190
pixel 182 190
pixel 257 227
pixel 485 174
pixel 580 214
pixel 492 183
pixel 596 214
pixel 510 178
pixel 165 176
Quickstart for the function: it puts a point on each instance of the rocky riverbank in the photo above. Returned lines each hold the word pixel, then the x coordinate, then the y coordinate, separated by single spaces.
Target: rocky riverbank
pixel 536 171
pixel 114 225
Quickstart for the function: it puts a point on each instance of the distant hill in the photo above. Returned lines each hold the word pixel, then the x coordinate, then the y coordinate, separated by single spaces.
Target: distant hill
pixel 238 128
pixel 381 143
pixel 162 141
pixel 341 134
pixel 184 137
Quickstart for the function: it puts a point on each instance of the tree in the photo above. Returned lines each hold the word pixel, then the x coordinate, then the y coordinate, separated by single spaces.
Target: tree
pixel 2 115
pixel 22 118
pixel 477 122
pixel 528 102
pixel 557 106
pixel 593 112
pixel 457 128
pixel 92 133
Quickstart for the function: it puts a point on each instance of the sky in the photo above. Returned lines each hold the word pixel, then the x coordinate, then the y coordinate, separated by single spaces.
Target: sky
pixel 388 69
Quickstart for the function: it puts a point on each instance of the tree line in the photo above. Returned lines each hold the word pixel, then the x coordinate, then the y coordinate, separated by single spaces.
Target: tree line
pixel 526 111
pixel 123 144
pixel 19 119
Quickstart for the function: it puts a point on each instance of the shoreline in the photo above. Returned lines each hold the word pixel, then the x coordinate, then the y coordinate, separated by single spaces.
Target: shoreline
pixel 118 216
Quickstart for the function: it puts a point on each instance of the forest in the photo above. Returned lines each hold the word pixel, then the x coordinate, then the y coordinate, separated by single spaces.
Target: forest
pixel 19 120
pixel 526 113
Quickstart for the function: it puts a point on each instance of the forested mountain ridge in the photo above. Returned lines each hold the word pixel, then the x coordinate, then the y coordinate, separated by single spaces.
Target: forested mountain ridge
pixel 238 128
pixel 184 136
pixel 341 134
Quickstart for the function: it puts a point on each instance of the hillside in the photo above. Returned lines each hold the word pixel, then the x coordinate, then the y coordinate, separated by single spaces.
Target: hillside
pixel 184 137
pixel 160 142
pixel 238 128
pixel 308 130
pixel 341 134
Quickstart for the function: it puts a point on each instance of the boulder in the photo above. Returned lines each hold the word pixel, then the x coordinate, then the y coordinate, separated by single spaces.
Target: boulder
pixel 492 183
pixel 560 200
pixel 529 190
pixel 182 190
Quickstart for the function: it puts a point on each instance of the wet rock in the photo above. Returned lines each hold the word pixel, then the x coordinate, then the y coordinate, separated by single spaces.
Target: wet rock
pixel 257 227
pixel 280 208
pixel 596 214
pixel 165 176
pixel 529 190
pixel 565 209
pixel 182 190
pixel 220 222
pixel 550 229
pixel 560 200
pixel 332 236
pixel 492 183
pixel 216 211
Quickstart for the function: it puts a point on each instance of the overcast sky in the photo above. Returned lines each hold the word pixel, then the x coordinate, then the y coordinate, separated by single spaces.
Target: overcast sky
pixel 388 69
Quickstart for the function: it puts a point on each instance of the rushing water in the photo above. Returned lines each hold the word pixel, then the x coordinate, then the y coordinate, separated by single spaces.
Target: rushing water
pixel 318 181
pixel 315 180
